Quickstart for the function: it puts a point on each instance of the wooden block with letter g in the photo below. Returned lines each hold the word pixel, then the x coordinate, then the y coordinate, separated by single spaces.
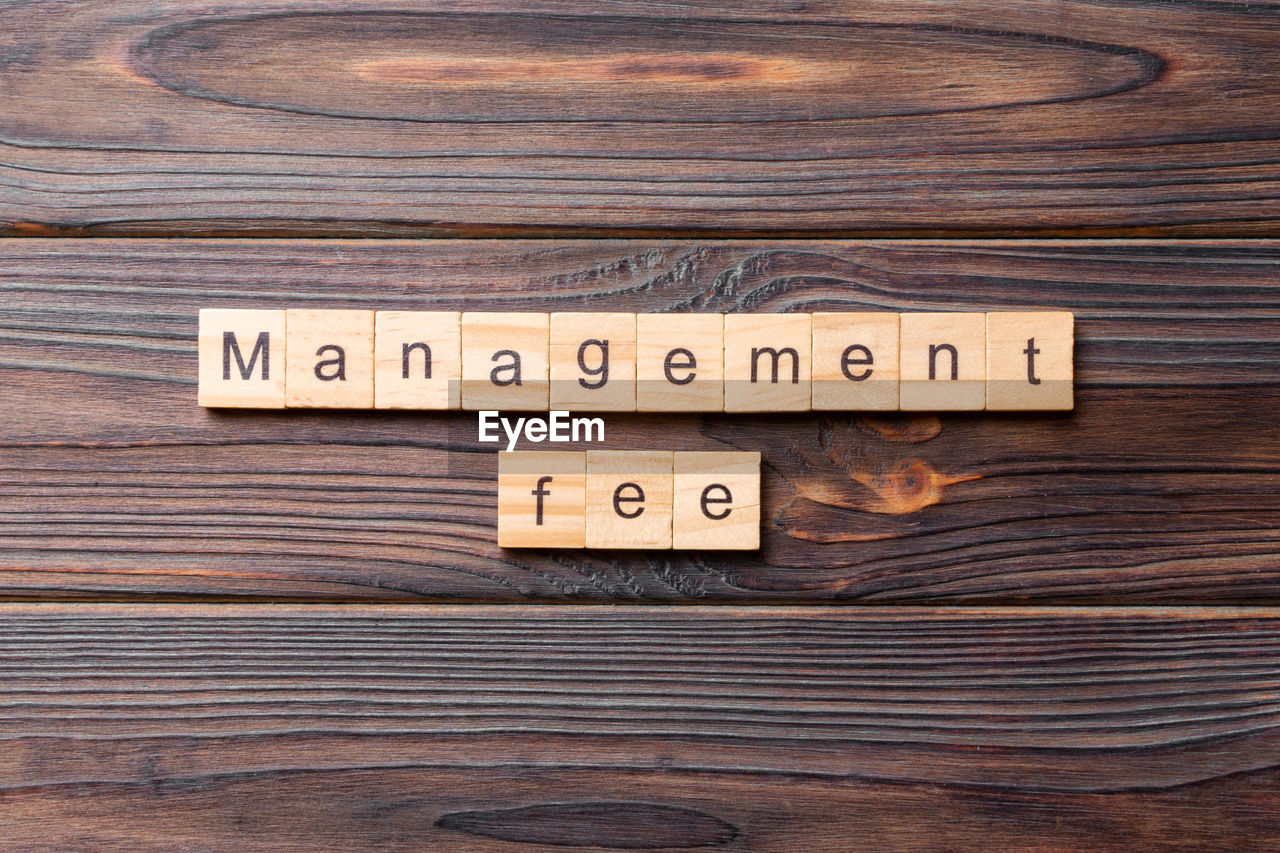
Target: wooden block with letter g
pixel 329 355
pixel 679 362
pixel 717 501
pixel 417 358
pixel 241 358
pixel 943 362
pixel 593 362
pixel 1029 361
pixel 767 362
pixel 629 498
pixel 855 361
pixel 542 499
pixel 504 360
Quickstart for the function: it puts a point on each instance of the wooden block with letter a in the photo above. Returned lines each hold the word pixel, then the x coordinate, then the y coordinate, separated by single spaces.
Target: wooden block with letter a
pixel 679 362
pixel 767 362
pixel 1029 360
pixel 242 358
pixel 417 360
pixel 717 501
pixel 943 362
pixel 542 499
pixel 629 498
pixel 504 361
pixel 855 361
pixel 329 358
pixel 593 362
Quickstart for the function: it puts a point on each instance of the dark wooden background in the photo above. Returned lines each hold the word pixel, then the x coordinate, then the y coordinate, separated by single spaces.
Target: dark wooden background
pixel 235 631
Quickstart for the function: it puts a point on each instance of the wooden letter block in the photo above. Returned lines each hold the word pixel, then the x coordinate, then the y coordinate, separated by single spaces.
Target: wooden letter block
pixel 1029 361
pixel 417 358
pixel 330 359
pixel 717 501
pixel 629 498
pixel 767 362
pixel 504 361
pixel 542 498
pixel 679 362
pixel 855 361
pixel 242 358
pixel 943 362
pixel 593 362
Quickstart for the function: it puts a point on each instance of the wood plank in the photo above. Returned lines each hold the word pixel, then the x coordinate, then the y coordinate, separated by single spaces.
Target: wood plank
pixel 1160 486
pixel 537 117
pixel 493 728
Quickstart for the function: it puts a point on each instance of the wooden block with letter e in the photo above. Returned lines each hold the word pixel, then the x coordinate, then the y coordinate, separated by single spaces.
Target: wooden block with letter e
pixel 504 360
pixel 943 362
pixel 855 361
pixel 593 362
pixel 1029 360
pixel 767 362
pixel 717 501
pixel 629 498
pixel 329 358
pixel 417 360
pixel 542 499
pixel 241 358
pixel 679 362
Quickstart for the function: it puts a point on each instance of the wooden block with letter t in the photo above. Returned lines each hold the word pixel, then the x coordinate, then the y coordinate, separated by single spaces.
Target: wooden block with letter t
pixel 717 501
pixel 593 362
pixel 329 358
pixel 767 362
pixel 504 361
pixel 1029 360
pixel 679 362
pixel 542 499
pixel 242 358
pixel 629 498
pixel 943 363
pixel 417 360
pixel 855 361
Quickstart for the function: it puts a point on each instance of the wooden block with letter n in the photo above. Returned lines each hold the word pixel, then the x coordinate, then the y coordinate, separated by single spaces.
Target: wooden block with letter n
pixel 943 362
pixel 629 498
pixel 855 361
pixel 241 358
pixel 417 360
pixel 593 362
pixel 1029 361
pixel 767 362
pixel 717 501
pixel 542 499
pixel 680 362
pixel 329 358
pixel 504 360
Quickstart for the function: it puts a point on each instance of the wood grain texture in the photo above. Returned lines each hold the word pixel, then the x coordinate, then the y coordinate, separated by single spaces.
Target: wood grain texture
pixel 775 729
pixel 1160 486
pixel 538 117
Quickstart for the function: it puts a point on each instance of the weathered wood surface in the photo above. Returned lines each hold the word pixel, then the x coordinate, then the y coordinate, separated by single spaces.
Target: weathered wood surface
pixel 282 728
pixel 624 116
pixel 1161 486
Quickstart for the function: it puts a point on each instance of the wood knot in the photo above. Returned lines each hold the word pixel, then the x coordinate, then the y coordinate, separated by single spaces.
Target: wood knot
pixel 908 486
pixel 617 825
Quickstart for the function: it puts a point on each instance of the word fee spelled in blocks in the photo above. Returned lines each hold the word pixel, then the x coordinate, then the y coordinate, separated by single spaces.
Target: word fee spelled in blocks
pixel 629 499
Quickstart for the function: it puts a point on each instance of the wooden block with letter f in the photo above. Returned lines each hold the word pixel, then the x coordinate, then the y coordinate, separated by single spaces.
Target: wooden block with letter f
pixel 542 498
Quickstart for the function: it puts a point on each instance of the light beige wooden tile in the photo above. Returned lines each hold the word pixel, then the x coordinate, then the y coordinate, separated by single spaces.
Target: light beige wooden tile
pixel 329 355
pixel 505 361
pixel 943 362
pixel 679 362
pixel 629 498
pixel 593 362
pixel 542 499
pixel 241 358
pixel 1029 361
pixel 855 361
pixel 767 362
pixel 417 357
pixel 717 501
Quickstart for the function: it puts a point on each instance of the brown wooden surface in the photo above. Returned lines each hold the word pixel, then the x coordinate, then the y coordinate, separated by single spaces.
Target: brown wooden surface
pixel 1161 486
pixel 572 117
pixel 222 728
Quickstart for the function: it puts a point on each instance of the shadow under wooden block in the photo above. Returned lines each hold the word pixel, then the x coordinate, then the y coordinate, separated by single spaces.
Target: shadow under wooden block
pixel 767 361
pixel 504 361
pixel 1029 361
pixel 329 358
pixel 417 357
pixel 717 501
pixel 629 497
pixel 241 358
pixel 593 362
pixel 679 362
pixel 542 499
pixel 943 362
pixel 855 361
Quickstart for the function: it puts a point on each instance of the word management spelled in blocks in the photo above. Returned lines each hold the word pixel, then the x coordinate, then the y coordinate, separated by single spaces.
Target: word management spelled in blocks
pixel 679 362
pixel 328 359
pixel 855 361
pixel 417 360
pixel 767 362
pixel 1029 361
pixel 943 362
pixel 593 362
pixel 505 361
pixel 241 358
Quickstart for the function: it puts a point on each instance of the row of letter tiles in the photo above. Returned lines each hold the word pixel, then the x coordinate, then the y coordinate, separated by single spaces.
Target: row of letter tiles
pixel 629 499
pixel 593 362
